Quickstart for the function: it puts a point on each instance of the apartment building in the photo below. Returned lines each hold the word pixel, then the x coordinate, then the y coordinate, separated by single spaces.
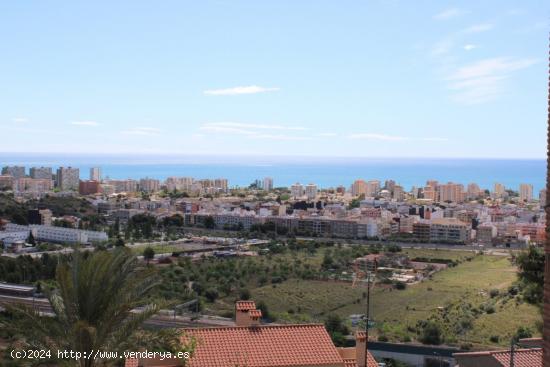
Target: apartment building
pixel 311 191
pixel 68 178
pixel 44 173
pixel 95 174
pixel 149 185
pixel 89 187
pixel 525 193
pixel 16 172
pixel 268 183
pixel 60 234
pixel 33 185
pixel 358 188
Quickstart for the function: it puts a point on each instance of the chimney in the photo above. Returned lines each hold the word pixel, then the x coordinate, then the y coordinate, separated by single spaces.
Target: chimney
pixel 360 348
pixel 246 314
pixel 546 310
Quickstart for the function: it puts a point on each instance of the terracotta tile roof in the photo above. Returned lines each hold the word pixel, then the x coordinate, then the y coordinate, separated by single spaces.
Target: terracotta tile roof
pixel 262 346
pixel 255 313
pixel 245 305
pixel 131 363
pixel 522 358
pixel 350 359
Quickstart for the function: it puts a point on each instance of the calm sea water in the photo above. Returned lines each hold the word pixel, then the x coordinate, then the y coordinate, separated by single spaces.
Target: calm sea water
pixel 325 172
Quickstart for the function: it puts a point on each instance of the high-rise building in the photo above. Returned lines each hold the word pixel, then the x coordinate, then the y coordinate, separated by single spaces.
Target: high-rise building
pixel 68 178
pixel 451 192
pixel 297 190
pixel 473 191
pixel 16 171
pixel 525 192
pixel 179 183
pixel 221 184
pixel 499 191
pixel 95 174
pixel 149 184
pixel 44 173
pixel 268 183
pixel 373 188
pixel 311 191
pixel 359 187
pixel 398 193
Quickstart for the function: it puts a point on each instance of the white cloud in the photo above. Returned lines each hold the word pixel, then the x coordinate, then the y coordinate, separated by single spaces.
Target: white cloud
pixel 469 47
pixel 448 14
pixel 383 137
pixel 256 131
pixel 84 123
pixel 20 120
pixel 327 134
pixel 142 131
pixel 250 89
pixel 478 28
pixel 481 81
pixel 240 125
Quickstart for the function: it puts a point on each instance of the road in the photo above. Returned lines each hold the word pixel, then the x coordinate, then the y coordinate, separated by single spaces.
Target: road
pixel 164 319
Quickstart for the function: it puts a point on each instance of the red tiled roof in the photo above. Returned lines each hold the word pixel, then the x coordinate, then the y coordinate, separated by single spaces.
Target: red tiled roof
pixel 522 358
pixel 245 305
pixel 131 363
pixel 255 313
pixel 262 346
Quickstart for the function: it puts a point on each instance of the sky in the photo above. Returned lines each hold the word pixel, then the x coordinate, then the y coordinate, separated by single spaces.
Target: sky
pixel 310 78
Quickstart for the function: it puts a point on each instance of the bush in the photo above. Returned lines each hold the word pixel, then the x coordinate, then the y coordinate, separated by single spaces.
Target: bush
pixel 494 339
pixel 494 293
pixel 431 334
pixel 400 285
pixel 211 294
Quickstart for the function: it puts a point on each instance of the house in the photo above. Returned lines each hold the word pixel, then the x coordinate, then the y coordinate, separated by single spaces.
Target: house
pixel 251 344
pixel 531 356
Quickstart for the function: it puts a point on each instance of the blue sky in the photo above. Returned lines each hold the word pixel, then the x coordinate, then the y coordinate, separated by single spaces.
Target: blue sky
pixel 316 78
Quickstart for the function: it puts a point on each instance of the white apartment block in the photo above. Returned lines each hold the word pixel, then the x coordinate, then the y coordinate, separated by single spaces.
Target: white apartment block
pixel 59 234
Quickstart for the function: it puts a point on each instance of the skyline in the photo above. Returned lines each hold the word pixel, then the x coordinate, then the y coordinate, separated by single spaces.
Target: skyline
pixel 436 79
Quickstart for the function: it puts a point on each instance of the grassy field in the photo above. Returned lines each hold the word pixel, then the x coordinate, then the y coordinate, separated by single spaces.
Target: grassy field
pixel 449 298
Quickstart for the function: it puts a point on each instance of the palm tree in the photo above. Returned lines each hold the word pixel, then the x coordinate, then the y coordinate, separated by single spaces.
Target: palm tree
pixel 94 307
pixel 546 307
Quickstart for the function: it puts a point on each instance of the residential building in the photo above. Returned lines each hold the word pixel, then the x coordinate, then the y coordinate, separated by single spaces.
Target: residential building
pixel 473 191
pixel 499 191
pixel 119 186
pixel 268 183
pixel 95 174
pixel 40 216
pixel 59 234
pixel 451 192
pixel 33 185
pixel 311 191
pixel 525 193
pixel 373 188
pixel 297 190
pixel 149 185
pixel 358 188
pixel 251 344
pixel 449 230
pixel 68 178
pixel 523 357
pixel 44 173
pixel 486 233
pixel 179 183
pixel 89 187
pixel 16 172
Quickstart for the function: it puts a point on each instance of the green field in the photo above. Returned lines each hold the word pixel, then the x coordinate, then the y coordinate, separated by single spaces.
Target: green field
pixel 447 298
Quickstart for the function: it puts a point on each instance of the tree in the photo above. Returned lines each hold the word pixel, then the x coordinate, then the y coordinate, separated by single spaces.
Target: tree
pixel 431 334
pixel 148 254
pixel 94 308
pixel 531 274
pixel 209 222
pixel 31 240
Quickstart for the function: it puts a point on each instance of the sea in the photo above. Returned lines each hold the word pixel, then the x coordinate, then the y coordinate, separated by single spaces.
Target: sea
pixel 325 172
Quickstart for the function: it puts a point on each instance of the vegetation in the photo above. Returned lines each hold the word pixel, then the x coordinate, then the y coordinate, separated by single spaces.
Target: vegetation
pixel 531 275
pixel 93 303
